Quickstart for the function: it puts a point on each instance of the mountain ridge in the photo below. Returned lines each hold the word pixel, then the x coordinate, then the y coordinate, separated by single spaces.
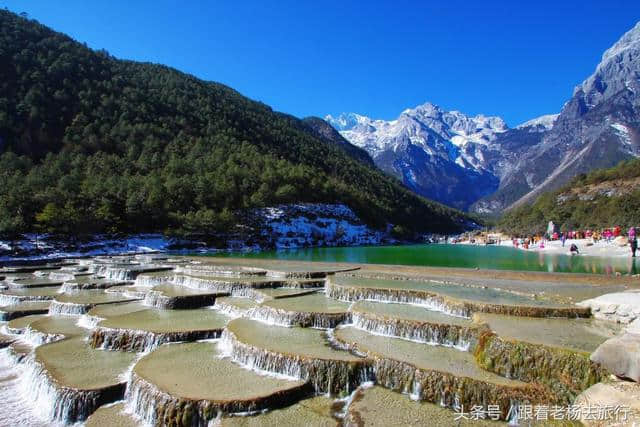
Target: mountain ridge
pixel 447 156
pixel 597 127
pixel 93 144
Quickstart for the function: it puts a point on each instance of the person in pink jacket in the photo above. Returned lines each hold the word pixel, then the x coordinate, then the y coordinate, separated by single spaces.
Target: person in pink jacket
pixel 633 241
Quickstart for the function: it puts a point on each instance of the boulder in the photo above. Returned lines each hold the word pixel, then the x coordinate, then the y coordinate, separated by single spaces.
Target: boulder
pixel 624 395
pixel 620 356
pixel 623 307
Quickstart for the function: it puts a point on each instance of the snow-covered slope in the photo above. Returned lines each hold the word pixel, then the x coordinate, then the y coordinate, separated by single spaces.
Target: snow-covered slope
pixel 443 155
pixel 437 131
pixel 546 122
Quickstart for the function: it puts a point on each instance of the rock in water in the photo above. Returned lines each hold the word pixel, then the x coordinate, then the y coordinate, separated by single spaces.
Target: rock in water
pixel 620 355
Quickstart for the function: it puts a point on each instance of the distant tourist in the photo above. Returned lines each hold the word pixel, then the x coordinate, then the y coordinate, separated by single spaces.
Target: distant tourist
pixel 633 241
pixel 616 231
pixel 573 250
pixel 564 238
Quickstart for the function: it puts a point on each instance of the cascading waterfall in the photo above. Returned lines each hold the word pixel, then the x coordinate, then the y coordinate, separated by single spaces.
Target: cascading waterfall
pixel 428 300
pixel 567 372
pixel 131 293
pixel 114 273
pixel 153 280
pixel 460 337
pixel 17 299
pixel 127 272
pixel 231 310
pixel 551 376
pixel 236 288
pixel 143 341
pixel 32 337
pixel 68 308
pixel 15 354
pixel 448 305
pixel 16 408
pixel 297 274
pixel 70 287
pixel 155 406
pixel 160 300
pixel 59 275
pixel 87 321
pixel 448 390
pixel 36 338
pixel 216 271
pixel 58 403
pixel 10 315
pixel 326 376
pixel 281 317
pixel 343 405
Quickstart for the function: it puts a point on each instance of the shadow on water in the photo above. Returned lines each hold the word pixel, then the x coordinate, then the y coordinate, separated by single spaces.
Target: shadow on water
pixel 442 255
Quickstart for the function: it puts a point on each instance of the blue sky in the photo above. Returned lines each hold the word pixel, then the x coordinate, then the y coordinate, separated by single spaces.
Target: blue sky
pixel 516 59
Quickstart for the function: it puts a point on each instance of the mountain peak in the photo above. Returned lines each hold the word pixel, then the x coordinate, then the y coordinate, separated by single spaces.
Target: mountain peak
pixel 619 69
pixel 630 40
pixel 545 121
pixel 346 121
pixel 426 110
pixel 440 154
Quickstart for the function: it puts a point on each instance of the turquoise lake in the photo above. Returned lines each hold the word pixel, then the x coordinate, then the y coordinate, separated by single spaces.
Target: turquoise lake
pixel 464 256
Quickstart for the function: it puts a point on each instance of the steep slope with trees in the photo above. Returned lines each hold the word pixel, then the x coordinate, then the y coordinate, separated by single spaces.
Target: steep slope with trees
pixel 92 144
pixel 603 198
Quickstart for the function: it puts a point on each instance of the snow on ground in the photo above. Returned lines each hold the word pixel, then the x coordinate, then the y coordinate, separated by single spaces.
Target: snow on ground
pixel 545 121
pixel 98 246
pixel 304 225
pixel 284 226
pixel 623 132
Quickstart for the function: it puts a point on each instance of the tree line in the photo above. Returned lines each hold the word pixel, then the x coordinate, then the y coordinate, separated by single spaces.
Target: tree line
pixel 92 144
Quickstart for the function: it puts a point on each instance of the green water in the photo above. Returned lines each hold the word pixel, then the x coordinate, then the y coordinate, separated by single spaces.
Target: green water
pixel 465 256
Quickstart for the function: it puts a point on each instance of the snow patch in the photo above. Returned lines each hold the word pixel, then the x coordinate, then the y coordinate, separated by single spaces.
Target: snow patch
pixel 301 225
pixel 426 126
pixel 38 247
pixel 545 122
pixel 623 132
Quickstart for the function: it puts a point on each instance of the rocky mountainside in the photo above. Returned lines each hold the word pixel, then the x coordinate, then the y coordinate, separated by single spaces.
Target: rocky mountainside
pixel 597 128
pixel 443 155
pixel 478 163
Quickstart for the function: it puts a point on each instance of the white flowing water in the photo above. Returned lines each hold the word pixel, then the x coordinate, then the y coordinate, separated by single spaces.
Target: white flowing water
pixel 18 409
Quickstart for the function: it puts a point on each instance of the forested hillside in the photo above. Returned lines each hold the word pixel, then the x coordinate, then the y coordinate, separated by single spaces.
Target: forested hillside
pixel 603 198
pixel 92 144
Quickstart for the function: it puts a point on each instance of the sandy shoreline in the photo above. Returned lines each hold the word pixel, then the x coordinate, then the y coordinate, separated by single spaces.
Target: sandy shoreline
pixel 586 247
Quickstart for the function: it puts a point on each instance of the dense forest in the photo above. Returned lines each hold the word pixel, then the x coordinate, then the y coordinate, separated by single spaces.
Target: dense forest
pixel 600 199
pixel 92 144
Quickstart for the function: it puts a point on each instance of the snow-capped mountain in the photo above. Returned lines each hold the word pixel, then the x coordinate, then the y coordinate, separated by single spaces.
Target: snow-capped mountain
pixel 478 163
pixel 598 127
pixel 443 155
